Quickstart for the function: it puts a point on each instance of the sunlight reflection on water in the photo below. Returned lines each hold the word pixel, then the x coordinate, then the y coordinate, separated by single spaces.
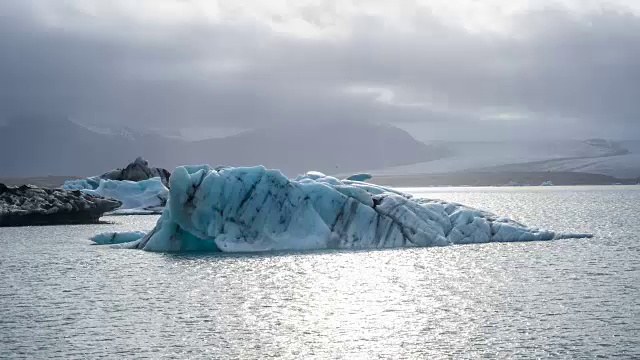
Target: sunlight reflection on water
pixel 62 297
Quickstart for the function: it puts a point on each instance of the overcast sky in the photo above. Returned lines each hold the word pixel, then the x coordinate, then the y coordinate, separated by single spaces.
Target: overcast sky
pixel 447 69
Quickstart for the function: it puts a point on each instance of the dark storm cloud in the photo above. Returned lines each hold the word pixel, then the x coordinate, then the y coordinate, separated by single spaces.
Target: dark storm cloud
pixel 554 68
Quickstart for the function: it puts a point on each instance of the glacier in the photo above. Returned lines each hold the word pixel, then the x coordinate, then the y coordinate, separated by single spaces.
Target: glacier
pixel 249 209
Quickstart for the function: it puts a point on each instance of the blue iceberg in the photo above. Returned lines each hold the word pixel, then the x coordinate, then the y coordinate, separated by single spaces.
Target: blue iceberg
pixel 142 197
pixel 141 189
pixel 255 209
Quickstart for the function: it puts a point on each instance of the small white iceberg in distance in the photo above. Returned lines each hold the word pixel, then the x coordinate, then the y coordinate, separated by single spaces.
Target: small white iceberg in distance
pixel 255 209
pixel 359 177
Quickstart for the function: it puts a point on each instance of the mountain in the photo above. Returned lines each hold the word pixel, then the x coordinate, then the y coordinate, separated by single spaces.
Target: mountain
pixel 38 147
pixel 330 148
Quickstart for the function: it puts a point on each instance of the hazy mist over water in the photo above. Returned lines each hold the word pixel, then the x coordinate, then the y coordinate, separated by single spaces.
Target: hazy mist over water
pixel 497 92
pixel 62 297
pixel 86 86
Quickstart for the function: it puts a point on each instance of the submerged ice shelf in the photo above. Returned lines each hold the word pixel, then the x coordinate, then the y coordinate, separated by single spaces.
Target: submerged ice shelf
pixel 117 237
pixel 255 209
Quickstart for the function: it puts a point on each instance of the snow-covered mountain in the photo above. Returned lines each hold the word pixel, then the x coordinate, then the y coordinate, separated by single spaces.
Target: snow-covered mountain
pixel 132 133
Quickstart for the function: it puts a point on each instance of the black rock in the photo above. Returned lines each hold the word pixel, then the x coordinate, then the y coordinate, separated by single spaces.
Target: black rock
pixel 30 205
pixel 138 170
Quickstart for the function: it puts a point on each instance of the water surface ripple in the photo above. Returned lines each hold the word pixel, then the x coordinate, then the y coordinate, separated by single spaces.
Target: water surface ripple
pixel 63 298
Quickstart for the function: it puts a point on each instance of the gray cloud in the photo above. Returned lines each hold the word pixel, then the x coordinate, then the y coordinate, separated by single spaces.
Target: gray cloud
pixel 553 70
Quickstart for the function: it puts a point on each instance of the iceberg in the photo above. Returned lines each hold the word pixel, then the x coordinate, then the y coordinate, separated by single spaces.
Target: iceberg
pixel 141 198
pixel 360 177
pixel 256 209
pixel 141 189
pixel 117 237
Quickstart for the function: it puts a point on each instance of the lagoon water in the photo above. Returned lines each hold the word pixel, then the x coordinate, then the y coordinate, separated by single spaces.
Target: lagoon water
pixel 61 297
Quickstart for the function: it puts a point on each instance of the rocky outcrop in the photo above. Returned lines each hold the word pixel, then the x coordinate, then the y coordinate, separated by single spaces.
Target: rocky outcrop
pixel 30 205
pixel 138 170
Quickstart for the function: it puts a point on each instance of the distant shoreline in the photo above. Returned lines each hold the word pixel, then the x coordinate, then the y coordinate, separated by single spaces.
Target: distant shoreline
pixel 41 181
pixel 459 179
pixel 500 179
